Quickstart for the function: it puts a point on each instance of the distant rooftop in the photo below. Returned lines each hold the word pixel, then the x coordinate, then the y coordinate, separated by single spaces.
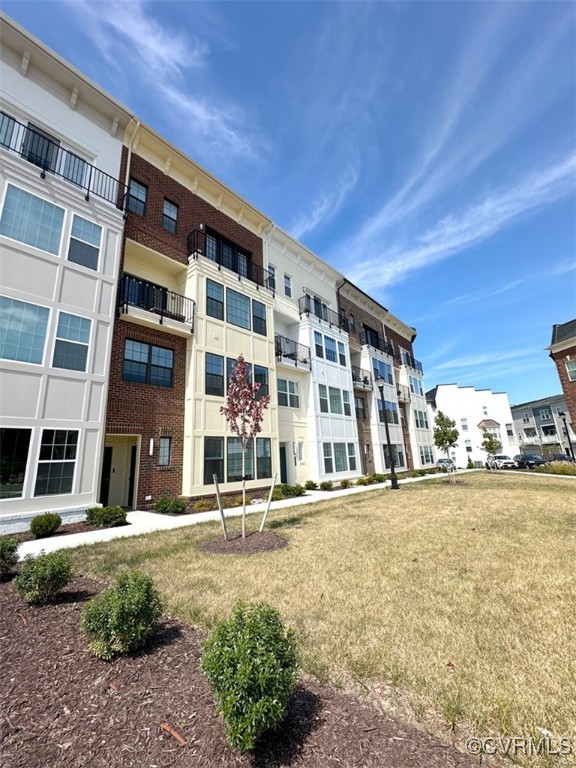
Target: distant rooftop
pixel 564 332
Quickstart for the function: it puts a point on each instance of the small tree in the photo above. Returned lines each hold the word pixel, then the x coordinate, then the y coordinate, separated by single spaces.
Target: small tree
pixel 490 443
pixel 244 412
pixel 445 433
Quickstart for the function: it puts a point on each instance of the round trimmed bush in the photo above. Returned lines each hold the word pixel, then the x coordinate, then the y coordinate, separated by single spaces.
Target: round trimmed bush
pixel 8 554
pixel 168 505
pixel 326 485
pixel 41 578
pixel 45 525
pixel 122 619
pixel 251 661
pixel 106 517
pixel 310 485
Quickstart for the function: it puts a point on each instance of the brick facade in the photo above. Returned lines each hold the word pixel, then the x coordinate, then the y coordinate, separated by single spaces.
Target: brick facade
pixel 568 387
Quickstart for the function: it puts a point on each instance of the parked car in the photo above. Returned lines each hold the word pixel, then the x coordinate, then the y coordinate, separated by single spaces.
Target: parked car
pixel 561 457
pixel 529 460
pixel 445 464
pixel 500 461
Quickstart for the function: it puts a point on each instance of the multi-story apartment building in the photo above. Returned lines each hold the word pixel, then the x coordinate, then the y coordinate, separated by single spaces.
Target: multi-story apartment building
pixel 132 281
pixel 562 350
pixel 61 224
pixel 544 426
pixel 474 411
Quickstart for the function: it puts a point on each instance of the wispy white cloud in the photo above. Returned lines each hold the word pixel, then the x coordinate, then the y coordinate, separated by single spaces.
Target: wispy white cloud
pixel 324 208
pixel 471 361
pixel 490 372
pixel 457 232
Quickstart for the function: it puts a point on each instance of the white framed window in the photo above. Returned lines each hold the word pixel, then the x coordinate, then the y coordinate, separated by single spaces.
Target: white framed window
pixel 288 393
pixel 271 277
pixel 382 371
pixel 341 353
pixel 72 340
pixel 571 369
pixel 318 344
pixel 545 415
pixel 526 418
pixel 340 457
pixel 468 444
pixel 335 397
pixel 57 462
pixel 237 309
pixel 170 216
pixel 351 457
pixel 164 451
pixel 287 286
pixel 426 454
pixel 330 349
pixel 22 330
pixel 300 451
pixel 346 403
pixel 464 424
pixel 415 385
pixel 85 240
pixel 421 419
pixel 328 463
pixel 323 395
pixel 31 220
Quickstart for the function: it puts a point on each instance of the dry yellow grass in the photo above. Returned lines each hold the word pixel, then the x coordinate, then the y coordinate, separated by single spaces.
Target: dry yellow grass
pixel 462 596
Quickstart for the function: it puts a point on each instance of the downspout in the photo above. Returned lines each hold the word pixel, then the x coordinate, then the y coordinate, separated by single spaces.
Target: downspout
pixel 129 159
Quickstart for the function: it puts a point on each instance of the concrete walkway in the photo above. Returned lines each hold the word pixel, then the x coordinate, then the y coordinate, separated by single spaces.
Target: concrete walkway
pixel 148 522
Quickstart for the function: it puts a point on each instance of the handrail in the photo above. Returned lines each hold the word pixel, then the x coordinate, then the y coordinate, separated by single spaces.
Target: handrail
pixel 377 342
pixel 234 260
pixel 310 306
pixel 361 376
pixel 406 359
pixel 154 298
pixel 291 350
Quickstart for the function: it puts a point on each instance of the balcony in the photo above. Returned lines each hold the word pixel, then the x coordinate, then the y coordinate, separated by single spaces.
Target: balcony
pixel 292 353
pixel 361 379
pixel 50 157
pixel 403 393
pixel 155 299
pixel 411 362
pixel 376 342
pixel 229 257
pixel 307 305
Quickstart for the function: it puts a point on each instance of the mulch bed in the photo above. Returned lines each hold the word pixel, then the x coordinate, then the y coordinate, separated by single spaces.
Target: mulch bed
pixel 64 530
pixel 61 707
pixel 253 544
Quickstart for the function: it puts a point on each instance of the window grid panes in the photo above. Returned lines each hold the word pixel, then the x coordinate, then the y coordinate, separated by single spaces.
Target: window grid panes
pixel 351 457
pixel 318 344
pixel 330 347
pixel 421 419
pixel 72 339
pixel 415 385
pixel 137 194
pixel 214 300
pixel 146 364
pixel 164 450
pixel 323 395
pixel 263 457
pixel 571 369
pixel 56 463
pixel 346 403
pixel 22 330
pixel 391 411
pixel 328 464
pixel 214 381
pixel 271 277
pixel 340 457
pixel 213 459
pixel 237 309
pixel 426 455
pixel 259 317
pixel 31 220
pixel 234 460
pixel 335 400
pixel 287 285
pixel 360 406
pixel 382 371
pixel 341 354
pixel 169 216
pixel 85 240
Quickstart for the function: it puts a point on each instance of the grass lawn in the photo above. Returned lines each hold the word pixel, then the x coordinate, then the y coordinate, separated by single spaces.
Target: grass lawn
pixel 462 598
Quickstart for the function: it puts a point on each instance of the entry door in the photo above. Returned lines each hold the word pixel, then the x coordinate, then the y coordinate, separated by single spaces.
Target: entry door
pixel 106 472
pixel 283 465
pixel 132 477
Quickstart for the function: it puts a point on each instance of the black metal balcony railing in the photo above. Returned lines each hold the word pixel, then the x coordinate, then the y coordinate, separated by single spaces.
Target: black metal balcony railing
pixel 377 342
pixel 411 362
pixel 50 157
pixel 361 378
pixel 307 305
pixel 286 349
pixel 154 298
pixel 233 259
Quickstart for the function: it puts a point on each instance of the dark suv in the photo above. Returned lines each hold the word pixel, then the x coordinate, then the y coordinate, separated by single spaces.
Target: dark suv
pixel 529 460
pixel 561 457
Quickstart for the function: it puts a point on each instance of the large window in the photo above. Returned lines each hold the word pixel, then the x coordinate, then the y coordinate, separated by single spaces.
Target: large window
pixel 147 364
pixel 261 377
pixel 234 460
pixel 72 339
pixel 263 457
pixel 258 317
pixel 31 220
pixel 397 456
pixel 137 194
pixel 426 454
pixel 56 462
pixel 421 419
pixel 214 300
pixel 330 348
pixel 213 459
pixel 335 400
pixel 22 330
pixel 388 411
pixel 237 309
pixel 214 383
pixel 14 445
pixel 415 385
pixel 169 215
pixel 340 457
pixel 228 254
pixel 288 393
pixel 382 371
pixel 85 240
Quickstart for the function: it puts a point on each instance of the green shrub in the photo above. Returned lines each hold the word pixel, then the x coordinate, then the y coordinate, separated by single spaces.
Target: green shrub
pixel 277 494
pixel 122 619
pixel 205 505
pixel 310 485
pixel 378 478
pixel 8 554
pixel 45 525
pixel 362 481
pixel 557 468
pixel 345 483
pixel 168 505
pixel 293 490
pixel 470 464
pixel 41 578
pixel 106 517
pixel 326 485
pixel 251 661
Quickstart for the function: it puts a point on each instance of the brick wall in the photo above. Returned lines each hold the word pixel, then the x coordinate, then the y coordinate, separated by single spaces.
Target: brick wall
pixel 362 317
pixel 568 387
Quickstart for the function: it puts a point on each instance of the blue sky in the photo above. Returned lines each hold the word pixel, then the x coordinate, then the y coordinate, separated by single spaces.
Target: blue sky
pixel 427 149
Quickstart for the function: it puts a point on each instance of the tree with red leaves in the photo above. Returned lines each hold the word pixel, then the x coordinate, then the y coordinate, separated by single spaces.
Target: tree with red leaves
pixel 244 412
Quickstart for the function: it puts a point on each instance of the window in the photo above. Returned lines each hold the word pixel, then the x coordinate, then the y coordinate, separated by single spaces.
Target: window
pixel 237 309
pixel 323 394
pixel 137 194
pixel 213 459
pixel 56 462
pixel 40 148
pixel 31 220
pixel 371 337
pixel 261 377
pixel 335 400
pixel 214 300
pixel 147 364
pixel 234 460
pixel 468 444
pixel 388 411
pixel 14 445
pixel 510 430
pixel 214 375
pixel 421 419
pixel 72 339
pixel 485 410
pixel 164 451
pixel 415 385
pixel 84 246
pixel 340 457
pixel 346 403
pixel 7 125
pixel 263 457
pixel 360 406
pixel 318 344
pixel 300 451
pixel 397 456
pixel 287 285
pixel 351 457
pixel 352 323
pixel 330 347
pixel 526 418
pixel 426 455
pixel 464 424
pixel 545 415
pixel 75 169
pixel 341 354
pixel 382 371
pixel 271 277
pixel 22 330
pixel 170 216
pixel 549 430
pixel 228 254
pixel 288 393
pixel 258 318
pixel 328 464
